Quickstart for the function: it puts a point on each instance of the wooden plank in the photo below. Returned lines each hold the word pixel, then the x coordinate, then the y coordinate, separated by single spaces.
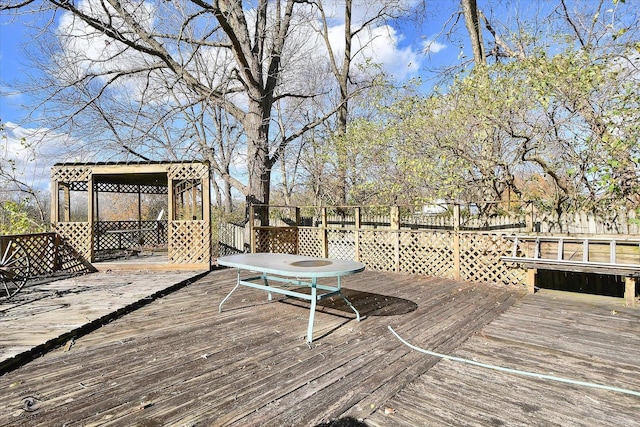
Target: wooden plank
pixel 576 266
pixel 459 394
pixel 177 361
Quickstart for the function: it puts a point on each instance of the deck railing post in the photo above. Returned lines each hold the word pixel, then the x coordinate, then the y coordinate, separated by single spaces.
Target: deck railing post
pixel 456 241
pixel 395 226
pixel 57 262
pixel 297 213
pixel 358 224
pixel 323 234
pixel 252 232
pixel 531 280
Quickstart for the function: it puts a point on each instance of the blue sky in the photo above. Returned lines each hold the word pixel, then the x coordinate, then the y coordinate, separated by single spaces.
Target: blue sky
pixel 10 36
pixel 404 60
pixel 14 36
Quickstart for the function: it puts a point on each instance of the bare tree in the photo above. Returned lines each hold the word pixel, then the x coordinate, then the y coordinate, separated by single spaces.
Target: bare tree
pixel 226 56
pixel 341 65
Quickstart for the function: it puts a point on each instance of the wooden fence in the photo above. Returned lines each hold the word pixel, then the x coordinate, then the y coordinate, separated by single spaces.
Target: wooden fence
pixel 452 246
pixel 527 219
pixel 456 254
pixel 231 239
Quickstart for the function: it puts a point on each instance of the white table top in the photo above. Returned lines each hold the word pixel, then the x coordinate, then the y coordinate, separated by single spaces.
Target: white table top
pixel 292 265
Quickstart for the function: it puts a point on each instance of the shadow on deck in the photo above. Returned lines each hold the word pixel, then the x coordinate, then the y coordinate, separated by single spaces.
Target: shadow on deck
pixel 178 361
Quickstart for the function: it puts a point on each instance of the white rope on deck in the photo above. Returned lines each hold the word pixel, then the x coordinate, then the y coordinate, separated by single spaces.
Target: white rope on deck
pixel 515 371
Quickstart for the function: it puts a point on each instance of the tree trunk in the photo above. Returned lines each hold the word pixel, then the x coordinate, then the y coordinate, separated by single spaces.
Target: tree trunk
pixel 472 21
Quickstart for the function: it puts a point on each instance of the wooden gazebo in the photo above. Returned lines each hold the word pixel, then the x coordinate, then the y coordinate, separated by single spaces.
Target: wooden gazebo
pixel 179 222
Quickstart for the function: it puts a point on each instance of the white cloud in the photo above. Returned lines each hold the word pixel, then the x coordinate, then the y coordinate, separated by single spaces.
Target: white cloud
pixel 33 151
pixel 432 46
pixel 380 45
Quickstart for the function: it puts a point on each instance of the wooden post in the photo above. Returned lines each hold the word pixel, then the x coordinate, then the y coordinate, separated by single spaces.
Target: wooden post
pixel 324 241
pixel 630 291
pixel 395 225
pixel 66 203
pixel 252 234
pixel 531 280
pixel 297 231
pixel 91 182
pixel 358 223
pixel 456 242
pixel 395 217
pixel 55 202
pixel 57 261
pixel 529 218
pixel 206 212
pixel 297 216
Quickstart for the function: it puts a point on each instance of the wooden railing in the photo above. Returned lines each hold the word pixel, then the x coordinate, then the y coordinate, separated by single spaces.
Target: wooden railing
pixel 454 254
pixel 117 235
pixel 617 256
pixel 50 255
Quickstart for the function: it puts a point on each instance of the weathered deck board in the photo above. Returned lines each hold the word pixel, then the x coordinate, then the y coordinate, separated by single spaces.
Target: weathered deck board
pixel 584 338
pixel 47 311
pixel 177 361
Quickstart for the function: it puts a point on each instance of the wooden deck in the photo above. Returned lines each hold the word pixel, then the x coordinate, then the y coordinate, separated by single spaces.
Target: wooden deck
pixel 177 361
pixel 48 312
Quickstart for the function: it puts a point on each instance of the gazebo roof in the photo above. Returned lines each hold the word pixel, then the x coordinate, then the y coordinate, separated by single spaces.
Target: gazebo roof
pixel 124 176
pixel 128 163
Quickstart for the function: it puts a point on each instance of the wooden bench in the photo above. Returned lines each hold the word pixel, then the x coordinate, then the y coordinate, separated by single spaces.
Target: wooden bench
pixel 599 255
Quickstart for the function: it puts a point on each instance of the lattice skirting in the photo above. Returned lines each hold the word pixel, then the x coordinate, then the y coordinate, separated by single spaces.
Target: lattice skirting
pixel 480 260
pixel 49 254
pixel 378 249
pixel 277 240
pixel 189 242
pixel 427 253
pixel 341 244
pixel 309 242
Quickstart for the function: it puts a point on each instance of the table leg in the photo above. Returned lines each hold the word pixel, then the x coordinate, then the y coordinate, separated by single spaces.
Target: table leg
pixel 266 283
pixel 229 294
pixel 347 301
pixel 312 310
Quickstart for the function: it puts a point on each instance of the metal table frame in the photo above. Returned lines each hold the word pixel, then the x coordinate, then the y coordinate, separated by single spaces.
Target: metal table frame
pixel 291 269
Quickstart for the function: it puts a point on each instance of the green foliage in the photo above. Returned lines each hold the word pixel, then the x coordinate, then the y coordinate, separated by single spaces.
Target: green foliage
pixel 15 219
pixel 560 129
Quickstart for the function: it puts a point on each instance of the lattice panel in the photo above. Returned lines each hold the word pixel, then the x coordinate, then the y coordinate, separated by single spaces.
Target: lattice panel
pixel 480 260
pixel 78 186
pixel 190 242
pixel 188 171
pixel 107 187
pixel 71 173
pixel 40 248
pixel 111 235
pixel 77 235
pixel 377 249
pixel 49 255
pixel 428 253
pixel 341 244
pixel 309 242
pixel 277 240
